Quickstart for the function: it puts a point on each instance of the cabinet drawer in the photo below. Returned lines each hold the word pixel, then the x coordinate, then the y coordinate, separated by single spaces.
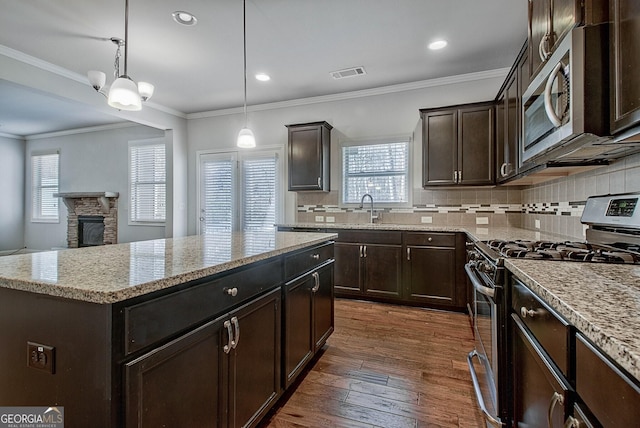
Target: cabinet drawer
pixel 551 331
pixel 431 238
pixel 298 263
pixel 612 397
pixel 370 237
pixel 156 319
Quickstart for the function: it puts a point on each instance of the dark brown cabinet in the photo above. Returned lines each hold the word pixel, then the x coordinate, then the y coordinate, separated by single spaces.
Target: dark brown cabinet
pixel 369 264
pixel 548 23
pixel 309 146
pixel 229 369
pixel 625 63
pixel 458 145
pixel 308 319
pixel 433 264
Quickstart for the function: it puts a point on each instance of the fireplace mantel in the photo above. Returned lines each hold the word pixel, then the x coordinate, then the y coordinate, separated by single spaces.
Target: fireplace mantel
pixel 103 198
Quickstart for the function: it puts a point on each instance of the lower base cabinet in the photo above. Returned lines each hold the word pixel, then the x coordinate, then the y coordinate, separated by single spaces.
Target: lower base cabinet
pixel 228 368
pixel 308 318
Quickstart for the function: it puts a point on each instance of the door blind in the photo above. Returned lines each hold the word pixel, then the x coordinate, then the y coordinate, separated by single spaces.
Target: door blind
pixel 218 177
pixel 259 192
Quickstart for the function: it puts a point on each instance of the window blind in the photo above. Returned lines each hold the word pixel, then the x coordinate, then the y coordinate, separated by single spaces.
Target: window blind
pixel 44 179
pixel 382 170
pixel 148 183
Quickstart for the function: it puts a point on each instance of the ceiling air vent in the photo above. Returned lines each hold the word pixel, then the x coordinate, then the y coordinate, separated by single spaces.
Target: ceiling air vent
pixel 348 72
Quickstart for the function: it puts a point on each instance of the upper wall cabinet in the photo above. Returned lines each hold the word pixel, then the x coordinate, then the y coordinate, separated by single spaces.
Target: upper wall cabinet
pixel 309 161
pixel 551 20
pixel 625 63
pixel 458 145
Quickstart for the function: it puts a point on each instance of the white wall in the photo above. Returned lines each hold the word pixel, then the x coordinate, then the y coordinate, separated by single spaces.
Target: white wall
pixel 12 161
pixel 89 162
pixel 361 117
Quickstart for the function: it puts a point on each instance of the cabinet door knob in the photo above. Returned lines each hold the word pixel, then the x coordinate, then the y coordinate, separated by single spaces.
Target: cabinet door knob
pixel 430 239
pixel 233 292
pixel 524 312
pixel 315 256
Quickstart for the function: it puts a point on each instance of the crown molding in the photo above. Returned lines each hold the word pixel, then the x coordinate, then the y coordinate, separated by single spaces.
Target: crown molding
pixel 81 130
pixel 15 137
pixel 383 90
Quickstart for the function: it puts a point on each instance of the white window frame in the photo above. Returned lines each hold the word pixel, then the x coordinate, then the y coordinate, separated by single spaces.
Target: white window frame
pixel 36 203
pixel 239 156
pixel 373 141
pixel 140 143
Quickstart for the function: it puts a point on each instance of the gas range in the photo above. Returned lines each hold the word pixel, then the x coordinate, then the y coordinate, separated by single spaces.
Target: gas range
pixel 613 235
pixel 565 250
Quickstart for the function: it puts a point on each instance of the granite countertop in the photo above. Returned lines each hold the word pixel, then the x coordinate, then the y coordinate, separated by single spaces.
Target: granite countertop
pixel 112 273
pixel 478 232
pixel 600 300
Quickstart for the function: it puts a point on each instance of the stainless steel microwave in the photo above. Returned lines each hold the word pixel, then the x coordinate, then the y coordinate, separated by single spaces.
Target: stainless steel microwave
pixel 565 108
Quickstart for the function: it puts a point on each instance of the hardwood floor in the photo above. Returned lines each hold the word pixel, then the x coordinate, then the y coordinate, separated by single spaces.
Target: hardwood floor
pixel 386 366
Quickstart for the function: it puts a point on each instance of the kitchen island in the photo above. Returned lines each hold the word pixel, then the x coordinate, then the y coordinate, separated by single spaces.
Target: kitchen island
pixel 148 333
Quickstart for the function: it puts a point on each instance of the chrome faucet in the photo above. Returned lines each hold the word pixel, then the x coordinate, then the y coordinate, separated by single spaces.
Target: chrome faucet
pixel 372 217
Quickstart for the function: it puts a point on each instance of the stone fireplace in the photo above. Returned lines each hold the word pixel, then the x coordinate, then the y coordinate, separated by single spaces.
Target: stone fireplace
pixel 92 218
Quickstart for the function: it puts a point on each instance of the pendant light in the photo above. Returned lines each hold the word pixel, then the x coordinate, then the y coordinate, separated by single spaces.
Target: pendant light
pixel 246 139
pixel 124 94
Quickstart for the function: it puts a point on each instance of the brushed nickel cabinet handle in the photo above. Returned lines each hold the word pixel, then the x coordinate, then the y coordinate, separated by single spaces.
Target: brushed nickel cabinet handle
pixel 365 251
pixel 459 176
pixel 409 253
pixel 556 398
pixel 227 347
pixel 319 181
pixel 361 251
pixel 455 176
pixel 236 326
pixel 316 278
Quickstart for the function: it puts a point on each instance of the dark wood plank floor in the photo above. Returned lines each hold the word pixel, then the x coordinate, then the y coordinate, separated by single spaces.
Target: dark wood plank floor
pixel 386 366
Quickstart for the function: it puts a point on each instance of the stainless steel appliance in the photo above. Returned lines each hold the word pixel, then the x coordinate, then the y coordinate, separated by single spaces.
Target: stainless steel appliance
pixel 613 236
pixel 485 269
pixel 566 106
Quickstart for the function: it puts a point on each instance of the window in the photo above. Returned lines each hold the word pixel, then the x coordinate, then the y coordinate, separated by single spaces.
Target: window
pixel 44 182
pixel 380 169
pixel 238 191
pixel 148 182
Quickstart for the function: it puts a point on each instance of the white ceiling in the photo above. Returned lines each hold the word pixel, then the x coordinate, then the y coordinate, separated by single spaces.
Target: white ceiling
pixel 297 42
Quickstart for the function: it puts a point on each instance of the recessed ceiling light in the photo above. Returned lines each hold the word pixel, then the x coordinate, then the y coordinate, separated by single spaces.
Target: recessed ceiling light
pixel 184 18
pixel 438 44
pixel 263 77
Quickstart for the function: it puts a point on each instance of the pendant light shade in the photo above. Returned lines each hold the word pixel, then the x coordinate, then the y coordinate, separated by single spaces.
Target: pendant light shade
pixel 246 139
pixel 124 95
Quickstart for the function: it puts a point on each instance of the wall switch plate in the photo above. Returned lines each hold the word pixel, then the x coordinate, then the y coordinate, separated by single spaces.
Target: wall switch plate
pixel 319 219
pixel 537 223
pixel 41 357
pixel 331 219
pixel 482 220
pixel 426 219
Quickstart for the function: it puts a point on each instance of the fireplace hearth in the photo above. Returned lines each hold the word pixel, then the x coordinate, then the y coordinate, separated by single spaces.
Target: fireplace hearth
pixel 92 218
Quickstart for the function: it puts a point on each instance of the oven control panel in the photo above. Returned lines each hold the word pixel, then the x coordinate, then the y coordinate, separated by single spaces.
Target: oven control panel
pixel 620 210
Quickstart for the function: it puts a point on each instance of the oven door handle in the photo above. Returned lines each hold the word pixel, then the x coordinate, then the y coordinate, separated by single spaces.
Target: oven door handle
pixel 493 420
pixel 477 284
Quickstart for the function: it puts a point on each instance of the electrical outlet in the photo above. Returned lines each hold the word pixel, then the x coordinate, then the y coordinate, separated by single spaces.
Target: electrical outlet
pixel 537 223
pixel 319 219
pixel 41 357
pixel 482 220
pixel 331 219
pixel 426 219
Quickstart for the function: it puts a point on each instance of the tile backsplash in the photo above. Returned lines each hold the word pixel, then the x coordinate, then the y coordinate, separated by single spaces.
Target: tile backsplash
pixel 556 206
